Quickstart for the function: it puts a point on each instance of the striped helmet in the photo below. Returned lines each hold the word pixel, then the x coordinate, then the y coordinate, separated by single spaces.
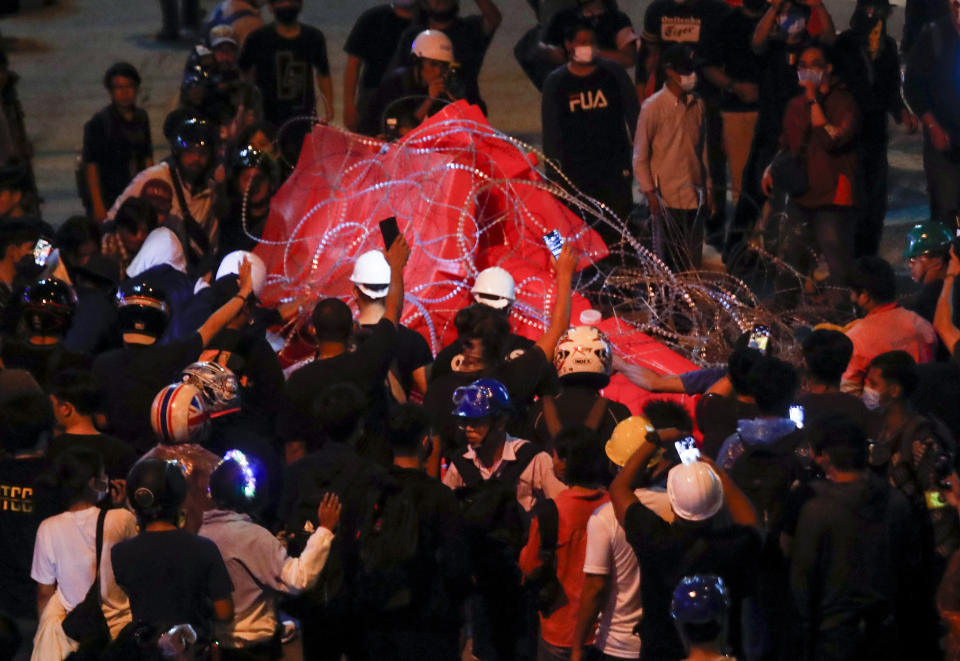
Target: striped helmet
pixel 178 415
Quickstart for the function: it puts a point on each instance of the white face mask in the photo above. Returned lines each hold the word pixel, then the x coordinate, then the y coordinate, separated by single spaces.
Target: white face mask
pixel 584 54
pixel 870 398
pixel 809 75
pixel 688 82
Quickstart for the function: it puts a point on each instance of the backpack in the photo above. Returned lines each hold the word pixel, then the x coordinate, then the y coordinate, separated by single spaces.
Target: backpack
pixel 765 474
pixel 544 584
pixel 388 538
pixel 494 521
pixel 551 416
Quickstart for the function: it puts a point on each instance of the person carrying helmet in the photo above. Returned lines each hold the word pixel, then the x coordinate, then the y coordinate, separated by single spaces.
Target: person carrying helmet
pixel 583 359
pixel 408 371
pixel 193 143
pixel 171 575
pixel 181 425
pixel 700 609
pixel 698 541
pixel 46 308
pixel 927 254
pixel 258 563
pixel 484 336
pixel 135 372
pixel 411 93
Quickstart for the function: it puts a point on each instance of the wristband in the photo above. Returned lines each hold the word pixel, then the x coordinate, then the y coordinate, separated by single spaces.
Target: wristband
pixel 242 298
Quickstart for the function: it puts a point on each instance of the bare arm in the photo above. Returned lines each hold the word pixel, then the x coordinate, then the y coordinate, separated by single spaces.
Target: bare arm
pixel 351 79
pixel 621 489
pixel 223 610
pixel 647 379
pixel 215 323
pixel 325 85
pixel 397 256
pixel 625 56
pixel 96 194
pixel 592 597
pixel 740 508
pixel 565 265
pixel 829 33
pixel 765 28
pixel 44 592
pixel 943 318
pixel 491 16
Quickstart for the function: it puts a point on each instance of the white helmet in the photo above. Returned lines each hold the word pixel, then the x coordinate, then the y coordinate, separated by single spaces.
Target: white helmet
pixel 433 45
pixel 494 288
pixel 371 274
pixel 178 415
pixel 695 491
pixel 583 349
pixel 216 383
pixel 230 265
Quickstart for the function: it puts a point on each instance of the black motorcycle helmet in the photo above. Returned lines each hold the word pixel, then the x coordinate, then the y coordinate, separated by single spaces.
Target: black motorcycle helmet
pixel 47 307
pixel 143 309
pixel 156 490
pixel 193 131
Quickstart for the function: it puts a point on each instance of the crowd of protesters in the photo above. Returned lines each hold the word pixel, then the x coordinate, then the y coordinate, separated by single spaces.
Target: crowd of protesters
pixel 169 490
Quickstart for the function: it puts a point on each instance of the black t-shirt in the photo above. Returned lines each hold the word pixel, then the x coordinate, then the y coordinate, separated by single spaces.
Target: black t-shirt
pixel 938 393
pixel 365 367
pixel 284 68
pixel 43 361
pixel 411 353
pixel 374 39
pixel 694 22
pixel 120 148
pixel 450 357
pixel 118 457
pixel 778 84
pixel 22 508
pixel 717 418
pixel 132 376
pixel 520 375
pixel 587 121
pixel 607 25
pixel 731 48
pixel 668 552
pixel 470 45
pixel 573 407
pixel 172 577
pixel 399 96
pixel 816 406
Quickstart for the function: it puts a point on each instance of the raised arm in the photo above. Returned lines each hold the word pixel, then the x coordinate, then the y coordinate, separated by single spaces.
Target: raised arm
pixel 565 266
pixel 621 489
pixel 491 16
pixel 943 318
pixel 397 255
pixel 215 323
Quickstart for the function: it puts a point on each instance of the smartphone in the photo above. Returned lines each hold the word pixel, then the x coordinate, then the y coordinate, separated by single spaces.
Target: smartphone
pixel 760 339
pixel 796 415
pixel 687 449
pixel 389 230
pixel 935 500
pixel 41 252
pixel 554 242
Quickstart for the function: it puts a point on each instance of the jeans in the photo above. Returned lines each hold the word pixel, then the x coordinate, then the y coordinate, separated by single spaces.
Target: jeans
pixel 832 230
pixel 548 652
pixel 172 15
pixel 943 181
pixel 678 237
pixel 872 179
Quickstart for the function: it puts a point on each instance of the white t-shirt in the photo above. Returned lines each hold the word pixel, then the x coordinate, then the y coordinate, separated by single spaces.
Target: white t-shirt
pixel 609 553
pixel 65 554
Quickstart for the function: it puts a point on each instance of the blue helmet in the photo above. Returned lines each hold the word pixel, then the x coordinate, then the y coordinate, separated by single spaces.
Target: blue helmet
pixel 484 398
pixel 700 599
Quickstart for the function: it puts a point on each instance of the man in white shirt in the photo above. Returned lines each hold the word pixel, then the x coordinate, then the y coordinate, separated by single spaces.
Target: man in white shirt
pixel 670 160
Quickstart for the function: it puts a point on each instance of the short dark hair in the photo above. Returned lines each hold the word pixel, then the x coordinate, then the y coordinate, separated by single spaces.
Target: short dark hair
pixel 897 367
pixel 570 32
pixel 701 633
pixel 875 276
pixel 581 448
pixel 332 320
pixel 406 429
pixel 15 231
pixel 663 414
pixel 72 471
pixel 78 387
pixel 490 326
pixel 76 231
pixel 827 354
pixel 842 440
pixel 124 69
pixel 739 364
pixel 679 57
pixel 134 212
pixel 338 409
pixel 773 383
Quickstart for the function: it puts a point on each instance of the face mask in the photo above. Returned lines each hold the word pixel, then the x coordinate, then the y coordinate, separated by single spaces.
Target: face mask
pixel 806 75
pixel 688 82
pixel 584 54
pixel 870 398
pixel 287 14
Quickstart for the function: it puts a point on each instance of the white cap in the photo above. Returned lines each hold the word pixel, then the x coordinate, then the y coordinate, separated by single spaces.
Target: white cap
pixel 371 268
pixel 695 491
pixel 590 317
pixel 494 288
pixel 222 34
pixel 230 265
pixel 433 45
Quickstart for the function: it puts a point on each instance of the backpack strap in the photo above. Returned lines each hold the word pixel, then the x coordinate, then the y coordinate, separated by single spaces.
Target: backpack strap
pixel 100 520
pixel 551 416
pixel 198 243
pixel 597 411
pixel 469 473
pixel 511 471
pixel 548 518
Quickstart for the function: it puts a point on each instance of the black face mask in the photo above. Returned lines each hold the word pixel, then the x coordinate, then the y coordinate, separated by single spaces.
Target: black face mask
pixel 287 15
